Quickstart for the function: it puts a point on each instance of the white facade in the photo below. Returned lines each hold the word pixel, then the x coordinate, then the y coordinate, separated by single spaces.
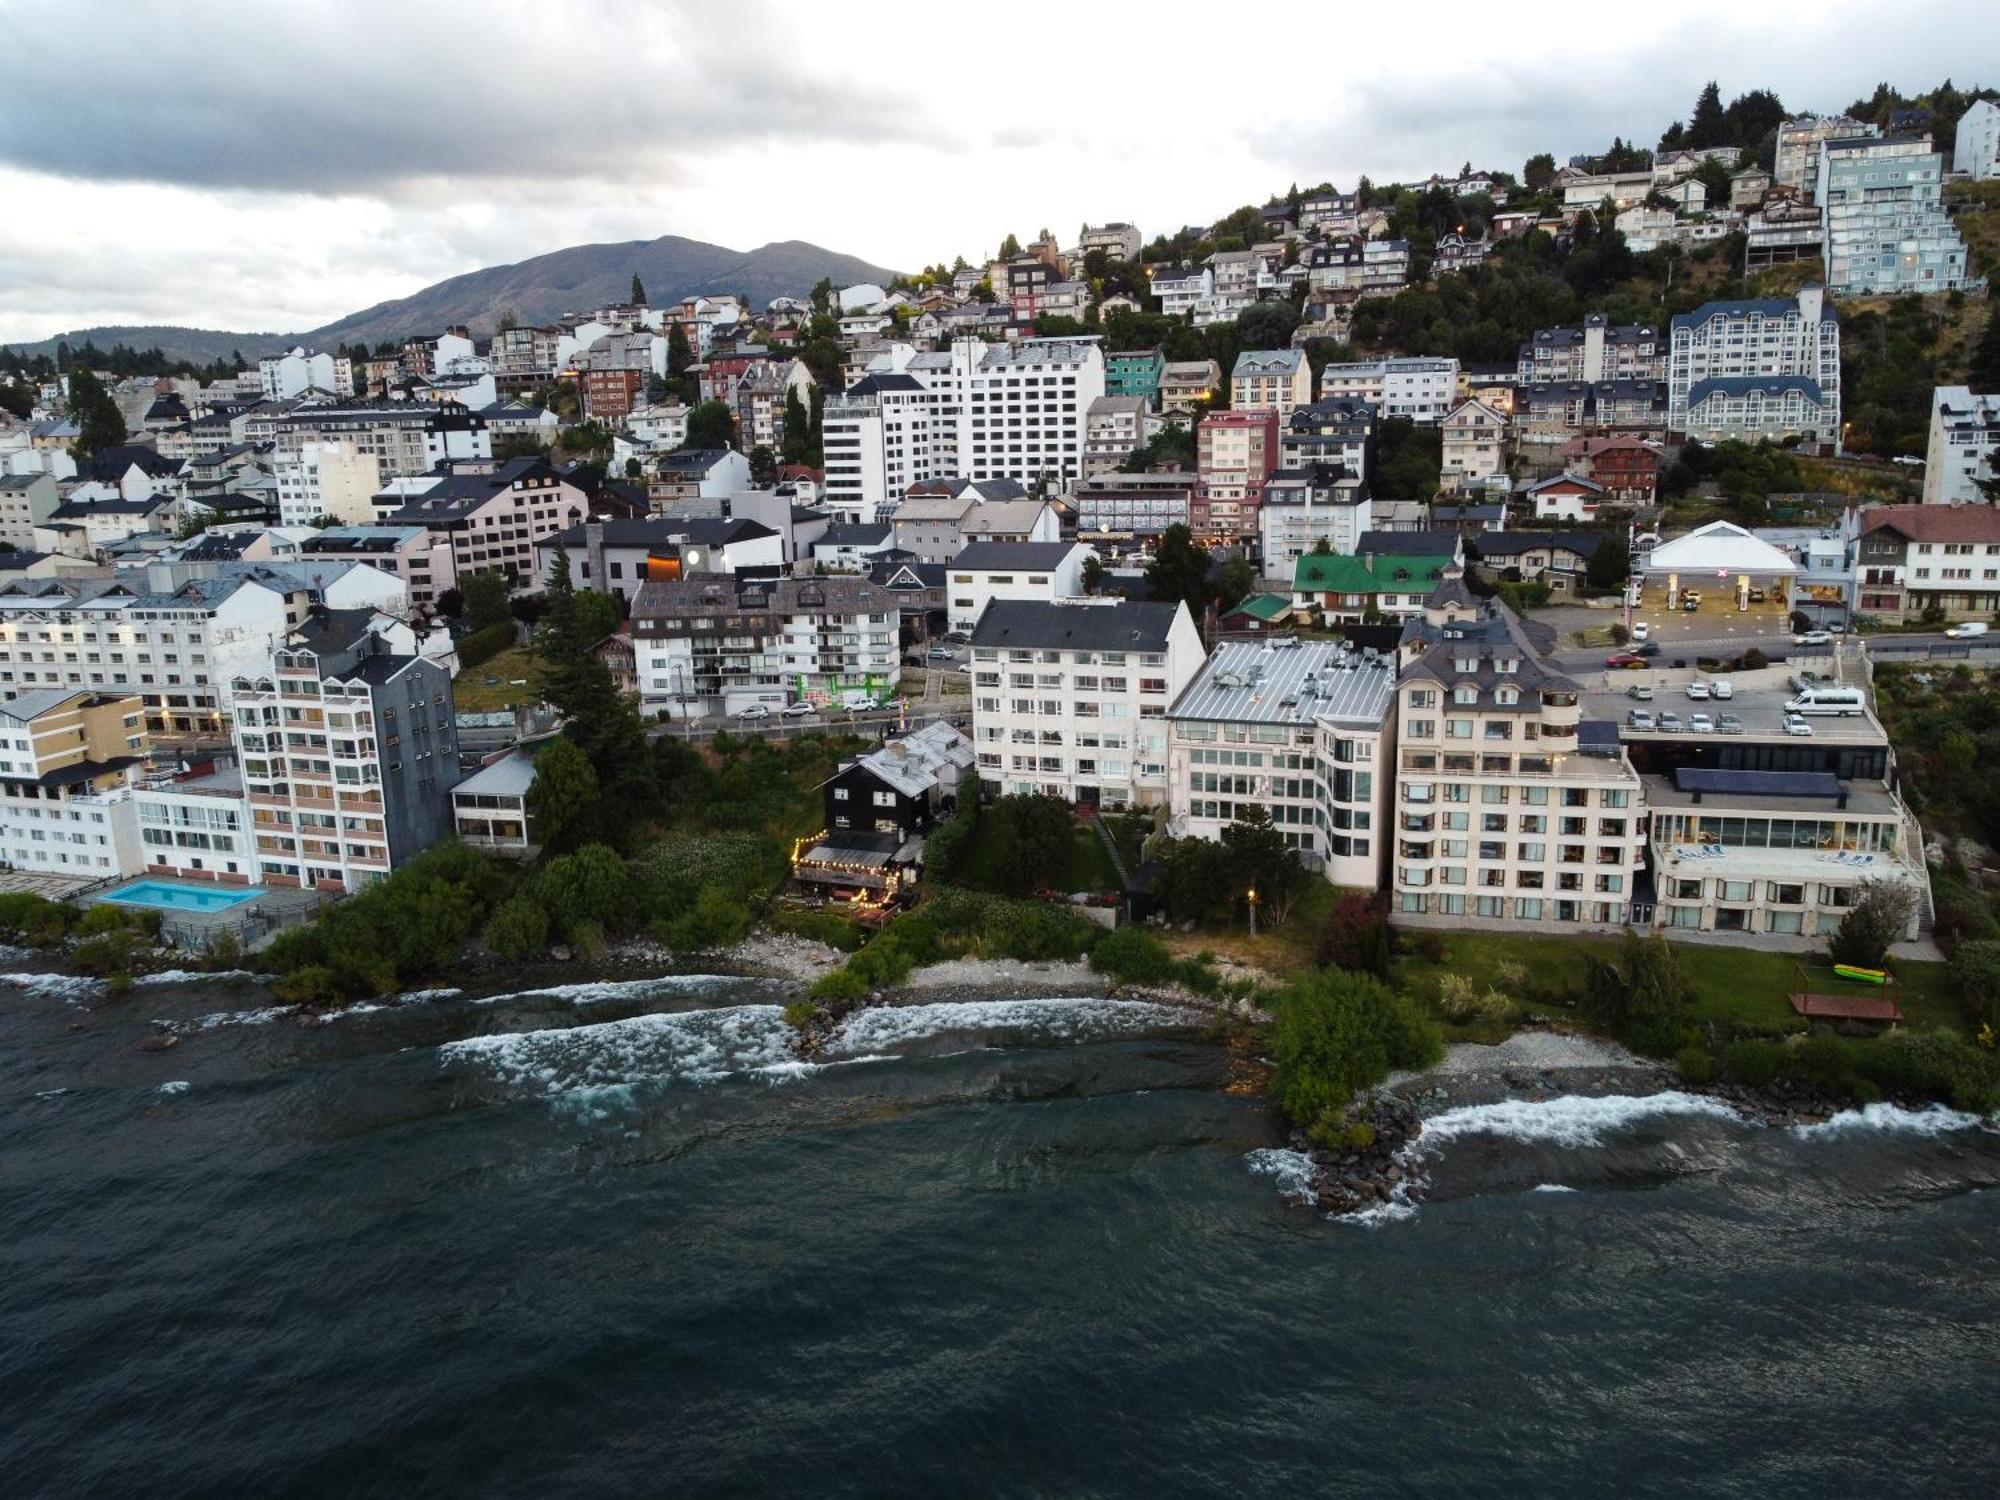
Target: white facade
pixel 1422 389
pixel 328 479
pixel 1882 216
pixel 985 571
pixel 281 377
pixel 1799 140
pixel 1964 442
pixel 80 823
pixel 1976 150
pixel 1762 337
pixel 1297 518
pixel 1475 444
pixel 1071 699
pixel 200 829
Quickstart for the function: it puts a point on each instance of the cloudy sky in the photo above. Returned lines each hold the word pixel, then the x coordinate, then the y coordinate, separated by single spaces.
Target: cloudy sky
pixel 263 167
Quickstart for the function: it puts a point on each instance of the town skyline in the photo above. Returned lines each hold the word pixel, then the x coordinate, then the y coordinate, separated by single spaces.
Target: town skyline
pixel 385 181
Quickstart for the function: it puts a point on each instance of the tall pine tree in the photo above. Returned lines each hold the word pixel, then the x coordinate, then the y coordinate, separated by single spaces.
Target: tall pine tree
pixel 1707 127
pixel 638 291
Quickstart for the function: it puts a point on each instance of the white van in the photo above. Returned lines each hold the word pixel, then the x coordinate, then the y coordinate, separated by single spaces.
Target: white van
pixel 1967 631
pixel 1828 698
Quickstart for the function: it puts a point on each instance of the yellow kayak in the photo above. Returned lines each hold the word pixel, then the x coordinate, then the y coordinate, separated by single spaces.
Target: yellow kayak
pixel 1860 975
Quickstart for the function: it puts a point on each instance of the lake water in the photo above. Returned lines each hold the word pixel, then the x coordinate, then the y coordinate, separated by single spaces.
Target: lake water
pixel 609 1240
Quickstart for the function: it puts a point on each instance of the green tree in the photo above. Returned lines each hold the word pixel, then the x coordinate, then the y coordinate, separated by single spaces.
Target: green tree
pixel 1612 561
pixel 797 441
pixel 487 599
pixel 1878 918
pixel 1093 574
pixel 1336 1034
pixel 1010 248
pixel 590 888
pixel 1031 838
pixel 711 425
pixel 564 793
pixel 1261 861
pixel 518 930
pixel 1178 572
pixel 1239 580
pixel 1538 172
pixel 680 353
pixel 1706 126
pixel 99 425
pixel 1641 997
pixel 763 467
pixel 638 291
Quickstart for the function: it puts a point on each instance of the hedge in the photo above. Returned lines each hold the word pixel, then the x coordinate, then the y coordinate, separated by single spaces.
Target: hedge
pixel 484 645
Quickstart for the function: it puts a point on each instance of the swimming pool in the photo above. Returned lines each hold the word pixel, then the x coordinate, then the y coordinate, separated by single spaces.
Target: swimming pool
pixel 170 895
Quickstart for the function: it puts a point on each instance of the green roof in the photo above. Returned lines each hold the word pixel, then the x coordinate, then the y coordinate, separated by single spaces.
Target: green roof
pixel 1378 573
pixel 1263 606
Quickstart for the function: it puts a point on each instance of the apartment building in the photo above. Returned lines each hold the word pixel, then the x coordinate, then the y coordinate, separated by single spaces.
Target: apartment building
pixel 176 648
pixel 328 479
pixel 1186 383
pixel 1422 389
pixel 418 556
pixel 1114 428
pixel 283 377
pixel 1270 379
pixel 1597 351
pixel 1117 240
pixel 1304 730
pixel 1130 507
pixel 1799 140
pixel 1336 431
pixel 1475 445
pixel 198 827
pixel 1882 214
pixel 1554 414
pixel 1134 372
pixel 491 517
pixel 1071 699
pixel 1320 506
pixel 1976 148
pixel 985 571
pixel 26 501
pixel 715 644
pixel 1501 811
pixel 404 437
pixel 1182 289
pixel 1964 446
pixel 68 762
pixel 614 555
pixel 760 400
pixel 1764 340
pixel 349 753
pixel 1914 558
pixel 1235 454
pixel 889 432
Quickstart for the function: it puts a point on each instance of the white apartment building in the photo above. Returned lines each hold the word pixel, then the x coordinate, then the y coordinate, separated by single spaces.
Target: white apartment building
pixel 1304 730
pixel 176 649
pixel 1185 383
pixel 68 760
pixel 1113 427
pixel 1420 388
pixel 1271 379
pixel 1882 216
pixel 418 556
pixel 888 432
pixel 26 501
pixel 491 518
pixel 1757 340
pixel 1117 240
pixel 1964 446
pixel 1475 444
pixel 198 828
pixel 1071 699
pixel 328 479
pixel 1500 812
pixel 1182 289
pixel 404 437
pixel 711 644
pixel 1976 148
pixel 659 426
pixel 283 377
pixel 1799 139
pixel 985 571
pixel 1306 508
pixel 1328 432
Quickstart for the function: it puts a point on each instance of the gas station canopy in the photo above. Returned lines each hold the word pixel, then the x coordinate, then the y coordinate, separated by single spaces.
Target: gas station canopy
pixel 1720 550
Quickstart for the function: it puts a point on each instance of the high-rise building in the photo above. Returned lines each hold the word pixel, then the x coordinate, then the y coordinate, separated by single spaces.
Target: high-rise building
pixel 1964 446
pixel 1767 367
pixel 1883 218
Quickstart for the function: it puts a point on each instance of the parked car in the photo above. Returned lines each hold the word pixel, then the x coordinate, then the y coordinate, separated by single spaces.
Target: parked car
pixel 1722 688
pixel 1701 724
pixel 1690 604
pixel 939 653
pixel 1626 661
pixel 754 711
pixel 1813 638
pixel 1800 681
pixel 1728 724
pixel 1757 596
pixel 1641 631
pixel 801 709
pixel 1796 725
pixel 1640 691
pixel 1670 722
pixel 1639 718
pixel 1690 596
pixel 1647 648
pixel 1697 690
pixel 1967 631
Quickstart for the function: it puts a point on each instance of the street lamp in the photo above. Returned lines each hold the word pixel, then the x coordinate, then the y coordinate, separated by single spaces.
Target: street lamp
pixel 1253 912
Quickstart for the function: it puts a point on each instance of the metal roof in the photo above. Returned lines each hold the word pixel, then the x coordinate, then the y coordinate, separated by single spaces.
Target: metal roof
pixel 1289 681
pixel 1758 783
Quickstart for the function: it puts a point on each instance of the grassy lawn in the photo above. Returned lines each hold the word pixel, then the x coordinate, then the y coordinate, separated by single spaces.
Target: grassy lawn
pixel 1088 869
pixel 472 694
pixel 1743 986
pixel 1278 950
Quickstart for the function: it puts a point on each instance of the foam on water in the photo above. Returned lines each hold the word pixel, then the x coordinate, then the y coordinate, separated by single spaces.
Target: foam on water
pixel 1292 1169
pixel 1057 1020
pixel 1552 1187
pixel 216 1020
pixel 70 987
pixel 1934 1120
pixel 426 997
pixel 597 992
pixel 1570 1121
pixel 694 1046
pixel 190 976
pixel 173 1086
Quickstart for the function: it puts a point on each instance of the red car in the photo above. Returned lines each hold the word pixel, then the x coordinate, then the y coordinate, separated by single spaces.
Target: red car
pixel 1625 659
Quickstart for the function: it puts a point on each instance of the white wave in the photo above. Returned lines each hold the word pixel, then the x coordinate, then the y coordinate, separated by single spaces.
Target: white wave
pixel 597 992
pixel 1294 1171
pixel 221 1018
pixel 1571 1121
pixel 70 987
pixel 9 954
pixel 1934 1120
pixel 426 997
pixel 1552 1187
pixel 1398 1208
pixel 53 1093
pixel 173 1086
pixel 693 1046
pixel 1056 1020
pixel 190 976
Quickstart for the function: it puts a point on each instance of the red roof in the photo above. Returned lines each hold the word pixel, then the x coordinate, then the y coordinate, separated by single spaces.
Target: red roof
pixel 1935 523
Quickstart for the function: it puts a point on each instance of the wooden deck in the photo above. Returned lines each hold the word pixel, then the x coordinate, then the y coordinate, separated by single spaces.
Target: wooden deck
pixel 1882 1008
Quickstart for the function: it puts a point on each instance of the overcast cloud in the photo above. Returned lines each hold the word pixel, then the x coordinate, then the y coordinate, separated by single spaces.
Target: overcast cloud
pixel 261 167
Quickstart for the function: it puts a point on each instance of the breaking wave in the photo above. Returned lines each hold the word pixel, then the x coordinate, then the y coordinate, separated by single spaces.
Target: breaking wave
pixel 697 1046
pixel 1572 1121
pixel 1293 1171
pixel 1933 1120
pixel 216 1020
pixel 592 992
pixel 71 987
pixel 1058 1020
pixel 173 1086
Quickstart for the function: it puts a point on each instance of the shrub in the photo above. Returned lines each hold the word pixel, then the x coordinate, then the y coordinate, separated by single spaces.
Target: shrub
pixel 1356 935
pixel 1197 975
pixel 483 645
pixel 1457 997
pixel 801 1013
pixel 1132 956
pixel 1752 1062
pixel 1879 916
pixel 1975 970
pixel 315 984
pixel 1641 997
pixel 518 930
pixel 34 920
pixel 716 920
pixel 839 984
pixel 1827 1062
pixel 1936 1064
pixel 1755 660
pixel 828 927
pixel 1338 1033
pixel 590 887
pixel 1694 1064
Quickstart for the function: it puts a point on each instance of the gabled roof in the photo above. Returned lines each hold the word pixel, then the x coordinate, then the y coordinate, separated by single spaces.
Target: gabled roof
pixel 1408 543
pixel 1749 385
pixel 1127 625
pixel 1576 480
pixel 1935 523
pixel 1513 543
pixel 979 557
pixel 1335 573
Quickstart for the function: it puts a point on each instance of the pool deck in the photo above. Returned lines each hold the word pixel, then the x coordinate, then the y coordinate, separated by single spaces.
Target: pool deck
pixel 254 920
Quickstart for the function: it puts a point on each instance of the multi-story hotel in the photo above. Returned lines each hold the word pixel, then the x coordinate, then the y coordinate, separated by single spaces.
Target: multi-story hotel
pixel 1071 699
pixel 489 518
pixel 1235 454
pixel 349 754
pixel 1304 730
pixel 1501 811
pixel 68 761
pixel 1597 351
pixel 403 437
pixel 1746 352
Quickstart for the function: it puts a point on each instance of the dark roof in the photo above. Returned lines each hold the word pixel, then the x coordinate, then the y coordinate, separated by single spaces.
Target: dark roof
pixel 1768 307
pixel 1124 626
pixel 1513 543
pixel 692 460
pixel 873 385
pixel 1744 385
pixel 329 631
pixel 70 509
pixel 990 555
pixel 855 534
pixel 11 562
pixel 1407 543
pixel 1758 783
pixel 110 463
